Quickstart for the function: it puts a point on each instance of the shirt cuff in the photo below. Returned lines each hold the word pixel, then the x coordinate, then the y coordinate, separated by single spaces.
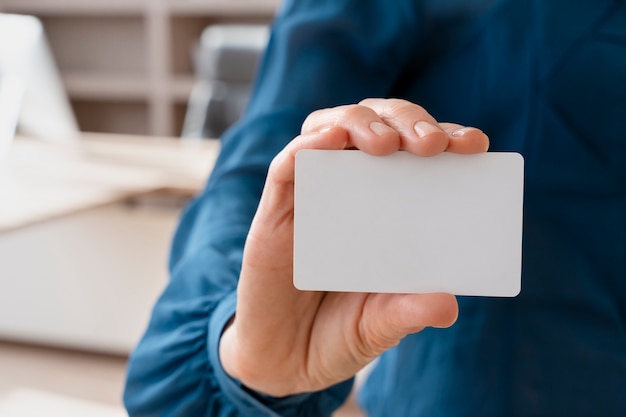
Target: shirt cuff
pixel 246 401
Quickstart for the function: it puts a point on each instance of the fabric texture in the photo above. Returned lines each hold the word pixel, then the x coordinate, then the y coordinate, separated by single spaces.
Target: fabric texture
pixel 543 78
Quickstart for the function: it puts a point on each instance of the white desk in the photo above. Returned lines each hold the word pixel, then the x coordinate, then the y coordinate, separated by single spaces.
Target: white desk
pixel 80 267
pixel 44 180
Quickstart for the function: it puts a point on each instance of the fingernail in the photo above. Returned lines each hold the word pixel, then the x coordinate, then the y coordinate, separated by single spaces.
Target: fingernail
pixel 423 128
pixel 461 132
pixel 380 128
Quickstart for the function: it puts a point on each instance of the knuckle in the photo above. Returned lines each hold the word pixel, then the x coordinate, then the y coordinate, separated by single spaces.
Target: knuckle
pixel 398 110
pixel 312 120
pixel 276 163
pixel 374 341
pixel 398 102
pixel 370 101
pixel 352 111
pixel 330 117
pixel 400 107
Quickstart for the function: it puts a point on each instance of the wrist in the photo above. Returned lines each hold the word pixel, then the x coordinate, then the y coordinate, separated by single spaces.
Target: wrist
pixel 250 378
pixel 226 348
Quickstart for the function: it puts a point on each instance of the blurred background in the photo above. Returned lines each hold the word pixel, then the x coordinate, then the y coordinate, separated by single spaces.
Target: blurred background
pixel 109 110
pixel 129 66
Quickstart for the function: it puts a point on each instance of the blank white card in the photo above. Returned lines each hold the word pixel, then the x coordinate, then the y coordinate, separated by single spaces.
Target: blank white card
pixel 408 224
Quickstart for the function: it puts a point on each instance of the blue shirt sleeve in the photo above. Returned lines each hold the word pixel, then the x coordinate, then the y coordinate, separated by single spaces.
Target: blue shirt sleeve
pixel 322 53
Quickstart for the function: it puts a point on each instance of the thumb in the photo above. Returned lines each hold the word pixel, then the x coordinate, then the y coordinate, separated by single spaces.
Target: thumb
pixel 387 318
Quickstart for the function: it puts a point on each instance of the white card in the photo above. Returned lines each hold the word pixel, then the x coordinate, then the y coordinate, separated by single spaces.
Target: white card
pixel 408 224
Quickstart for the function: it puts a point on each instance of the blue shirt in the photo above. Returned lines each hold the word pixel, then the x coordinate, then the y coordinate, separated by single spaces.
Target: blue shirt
pixel 544 78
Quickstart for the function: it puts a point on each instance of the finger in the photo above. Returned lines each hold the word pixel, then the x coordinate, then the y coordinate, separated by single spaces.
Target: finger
pixel 426 310
pixel 282 168
pixel 419 131
pixel 276 202
pixel 465 139
pixel 390 317
pixel 366 130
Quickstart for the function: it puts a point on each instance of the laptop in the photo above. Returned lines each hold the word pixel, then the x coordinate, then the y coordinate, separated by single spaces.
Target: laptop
pixel 32 95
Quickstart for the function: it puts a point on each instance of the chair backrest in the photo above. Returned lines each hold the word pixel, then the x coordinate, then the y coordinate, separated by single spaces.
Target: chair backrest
pixel 226 62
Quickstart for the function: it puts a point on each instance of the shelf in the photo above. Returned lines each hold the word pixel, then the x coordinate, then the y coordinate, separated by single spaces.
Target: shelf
pixel 96 44
pixel 74 7
pixel 221 8
pixel 128 64
pixel 125 117
pixel 232 8
pixel 181 88
pixel 86 86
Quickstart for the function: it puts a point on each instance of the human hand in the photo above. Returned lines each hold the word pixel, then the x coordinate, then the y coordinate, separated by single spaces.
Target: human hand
pixel 283 341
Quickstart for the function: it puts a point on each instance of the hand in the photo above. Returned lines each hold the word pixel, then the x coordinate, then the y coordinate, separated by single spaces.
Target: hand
pixel 283 341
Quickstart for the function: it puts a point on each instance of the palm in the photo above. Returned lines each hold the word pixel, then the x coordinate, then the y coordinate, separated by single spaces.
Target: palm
pixel 310 340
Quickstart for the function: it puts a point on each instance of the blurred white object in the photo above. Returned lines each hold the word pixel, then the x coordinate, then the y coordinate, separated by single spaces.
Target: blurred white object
pixel 33 403
pixel 31 92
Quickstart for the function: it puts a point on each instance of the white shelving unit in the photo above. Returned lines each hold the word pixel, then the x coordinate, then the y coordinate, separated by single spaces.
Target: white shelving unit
pixel 126 64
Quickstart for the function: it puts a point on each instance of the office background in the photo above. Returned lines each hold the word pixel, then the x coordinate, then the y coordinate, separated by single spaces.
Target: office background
pixel 89 268
pixel 128 64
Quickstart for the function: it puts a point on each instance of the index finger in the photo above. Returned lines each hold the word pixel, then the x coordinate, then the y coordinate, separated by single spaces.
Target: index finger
pixel 364 128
